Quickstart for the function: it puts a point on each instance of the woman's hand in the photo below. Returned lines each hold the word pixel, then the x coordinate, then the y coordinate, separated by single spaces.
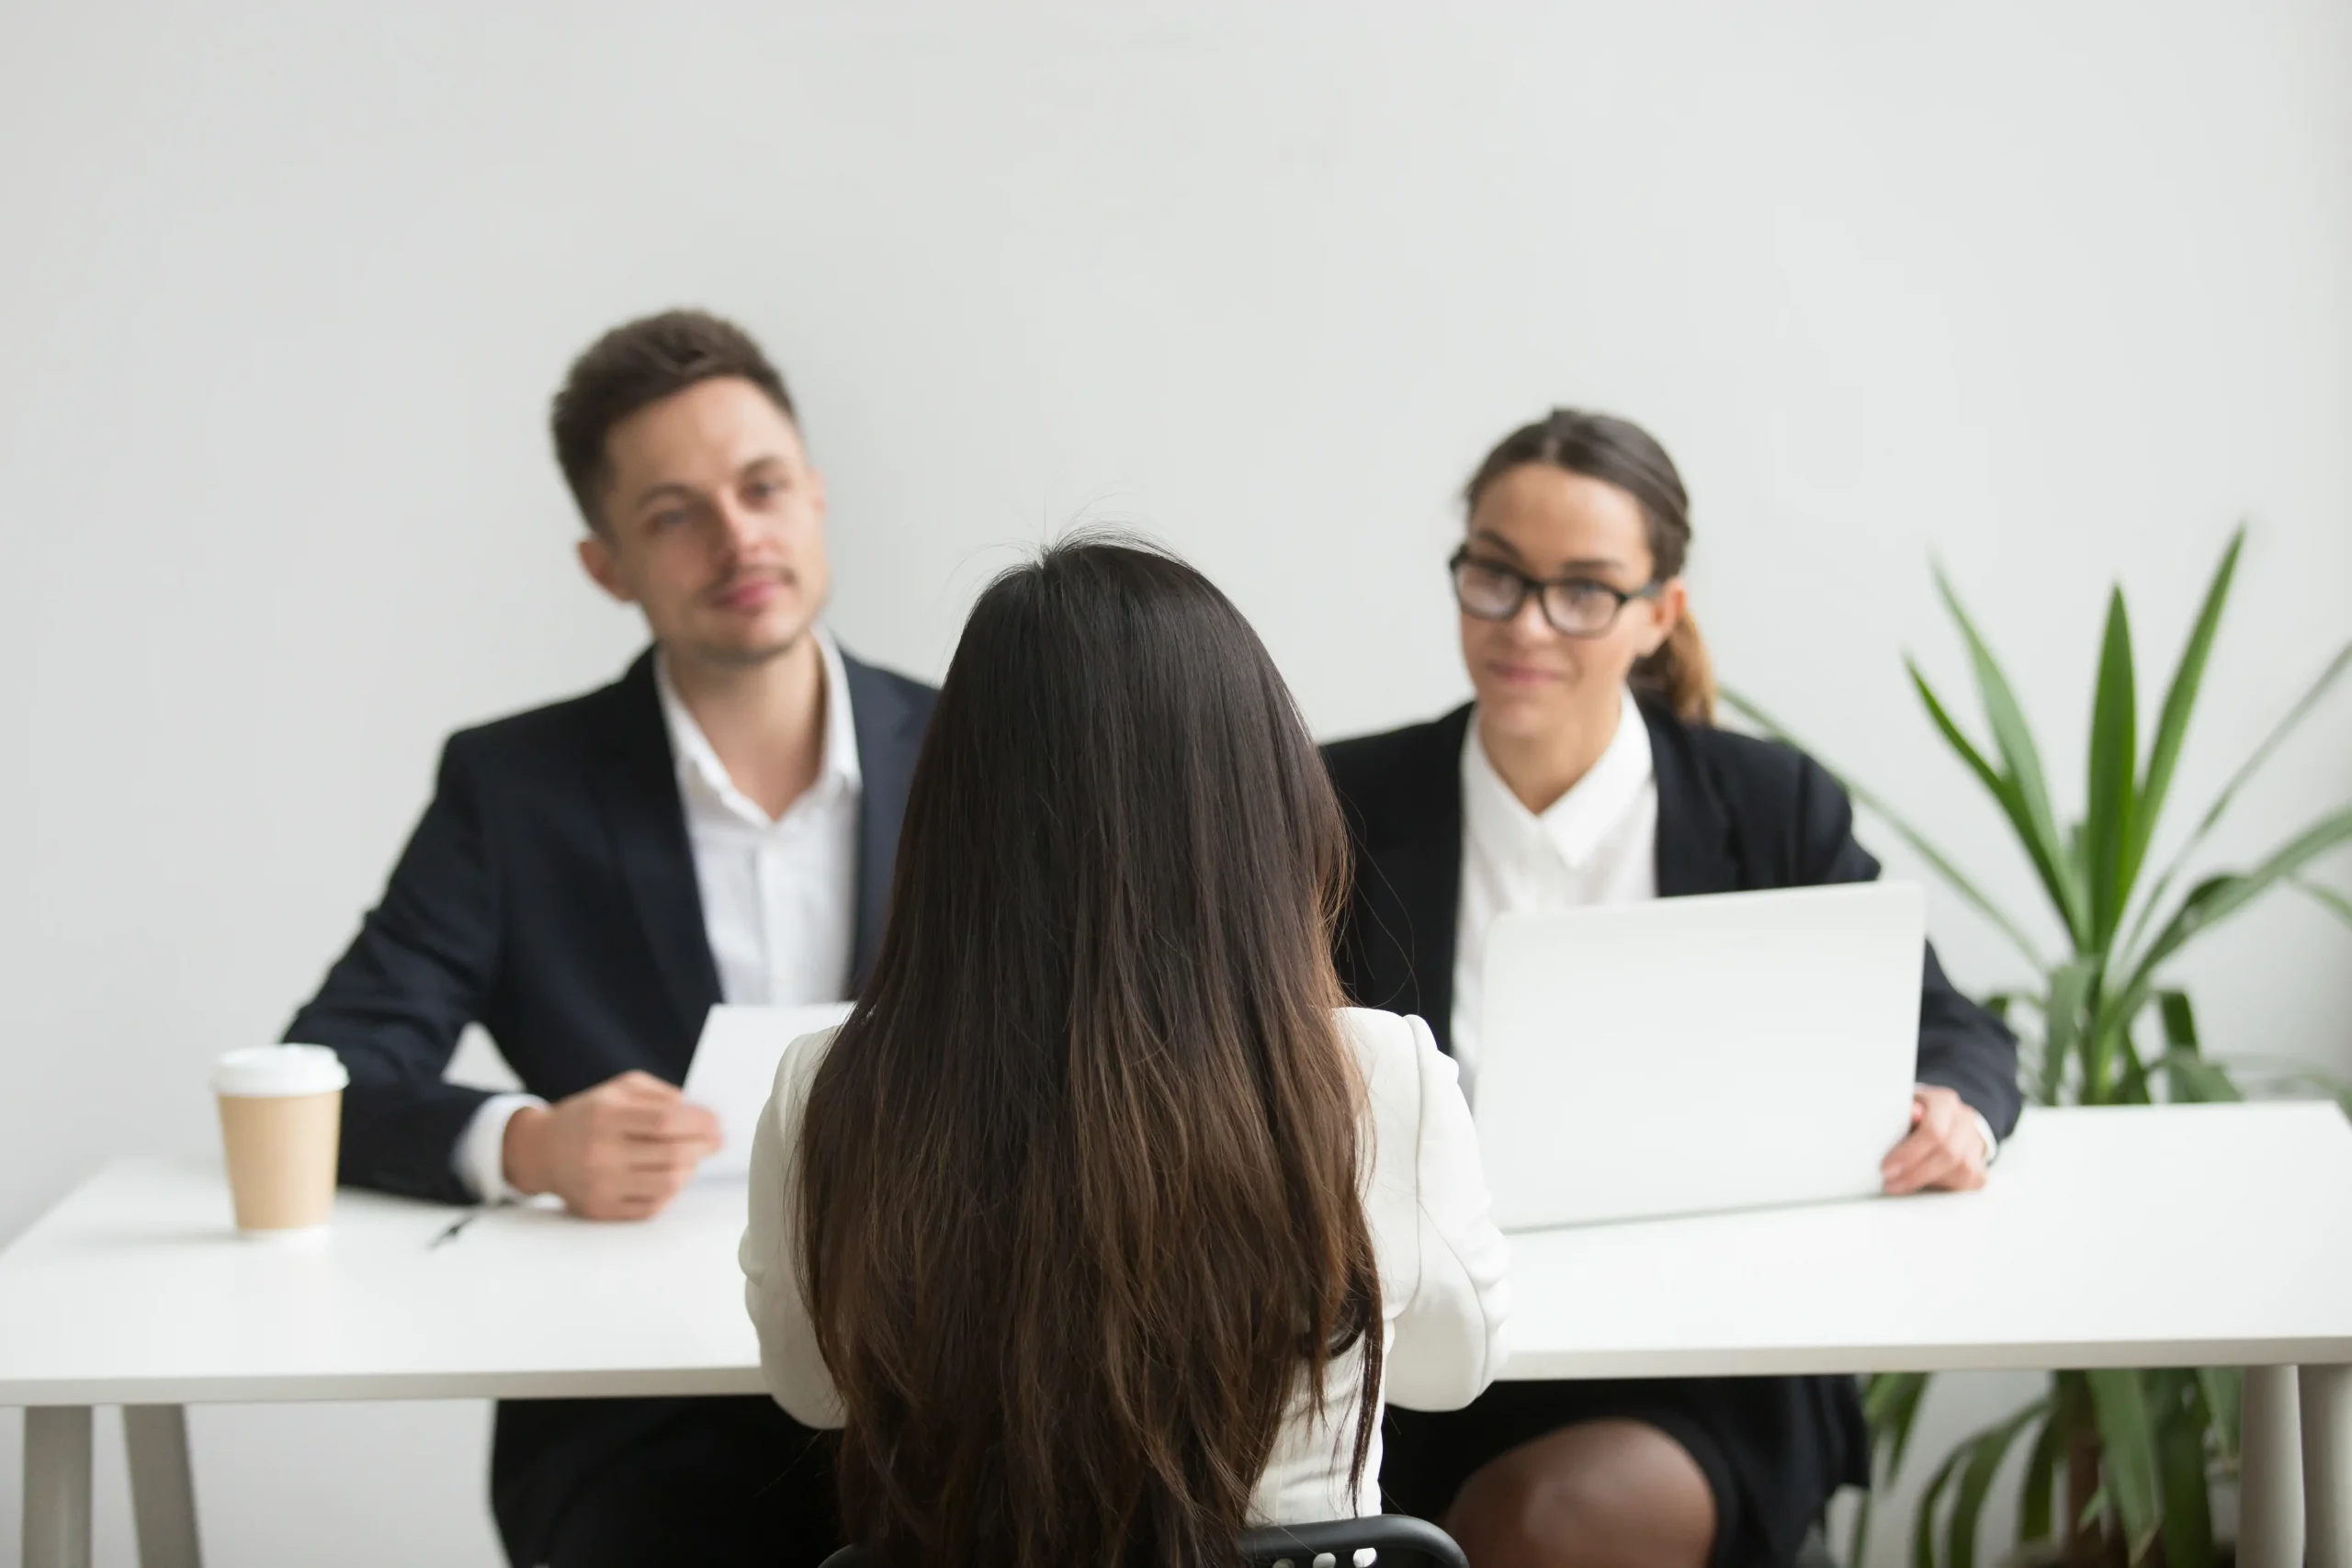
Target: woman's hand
pixel 1946 1151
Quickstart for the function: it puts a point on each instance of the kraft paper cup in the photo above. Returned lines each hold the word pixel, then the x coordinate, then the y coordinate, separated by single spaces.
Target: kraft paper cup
pixel 281 1114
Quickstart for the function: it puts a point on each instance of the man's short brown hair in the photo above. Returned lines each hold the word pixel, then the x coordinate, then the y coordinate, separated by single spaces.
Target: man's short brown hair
pixel 635 365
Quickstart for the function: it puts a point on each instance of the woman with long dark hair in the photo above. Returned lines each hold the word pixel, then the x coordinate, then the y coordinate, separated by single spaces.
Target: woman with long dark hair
pixel 1588 771
pixel 1099 1228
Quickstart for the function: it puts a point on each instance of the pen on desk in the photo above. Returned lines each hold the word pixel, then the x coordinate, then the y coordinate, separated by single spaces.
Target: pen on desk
pixel 450 1233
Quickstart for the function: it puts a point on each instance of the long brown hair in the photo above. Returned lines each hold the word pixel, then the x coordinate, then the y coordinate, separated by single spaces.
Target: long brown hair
pixel 1080 1179
pixel 1619 452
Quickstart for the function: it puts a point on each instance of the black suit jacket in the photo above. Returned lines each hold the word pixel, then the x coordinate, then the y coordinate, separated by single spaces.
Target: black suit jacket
pixel 1734 813
pixel 548 893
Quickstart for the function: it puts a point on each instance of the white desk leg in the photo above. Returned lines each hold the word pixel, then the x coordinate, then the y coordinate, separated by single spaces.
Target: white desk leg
pixel 2270 1473
pixel 163 1489
pixel 57 1486
pixel 2327 1465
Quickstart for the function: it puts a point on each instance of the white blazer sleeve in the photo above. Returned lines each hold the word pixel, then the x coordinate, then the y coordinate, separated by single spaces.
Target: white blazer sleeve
pixel 794 1372
pixel 1449 1342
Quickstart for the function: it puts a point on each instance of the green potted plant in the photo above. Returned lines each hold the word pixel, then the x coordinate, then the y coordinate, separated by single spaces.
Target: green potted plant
pixel 2119 1463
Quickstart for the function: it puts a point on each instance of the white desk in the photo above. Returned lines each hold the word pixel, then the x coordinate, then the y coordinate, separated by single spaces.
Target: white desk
pixel 134 1291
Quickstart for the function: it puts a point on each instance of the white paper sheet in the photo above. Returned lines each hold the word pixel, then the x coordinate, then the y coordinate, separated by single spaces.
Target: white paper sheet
pixel 734 1069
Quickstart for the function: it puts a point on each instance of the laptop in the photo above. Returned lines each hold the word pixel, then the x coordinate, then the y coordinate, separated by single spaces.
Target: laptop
pixel 1691 1055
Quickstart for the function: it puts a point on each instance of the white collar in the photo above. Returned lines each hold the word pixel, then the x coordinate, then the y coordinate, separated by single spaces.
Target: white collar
pixel 837 772
pixel 1579 821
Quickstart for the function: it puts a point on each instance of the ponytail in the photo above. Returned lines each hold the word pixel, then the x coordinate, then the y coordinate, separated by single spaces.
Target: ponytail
pixel 1679 674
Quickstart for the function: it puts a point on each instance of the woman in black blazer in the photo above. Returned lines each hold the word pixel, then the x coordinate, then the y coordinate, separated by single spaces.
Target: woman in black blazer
pixel 1588 771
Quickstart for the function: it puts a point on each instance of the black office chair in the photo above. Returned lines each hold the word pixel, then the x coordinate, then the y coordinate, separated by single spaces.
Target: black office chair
pixel 1394 1541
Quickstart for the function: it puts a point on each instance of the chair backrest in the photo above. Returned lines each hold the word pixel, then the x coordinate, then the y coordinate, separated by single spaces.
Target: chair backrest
pixel 1389 1541
pixel 1378 1540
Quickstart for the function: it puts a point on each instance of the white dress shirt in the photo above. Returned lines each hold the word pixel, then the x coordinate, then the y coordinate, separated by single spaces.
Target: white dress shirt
pixel 1444 1292
pixel 779 894
pixel 1597 844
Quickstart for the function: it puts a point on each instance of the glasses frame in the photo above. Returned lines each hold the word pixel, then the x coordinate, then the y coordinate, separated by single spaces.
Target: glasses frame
pixel 1540 587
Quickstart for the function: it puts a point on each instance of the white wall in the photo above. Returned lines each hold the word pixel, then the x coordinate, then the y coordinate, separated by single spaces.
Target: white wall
pixel 2053 290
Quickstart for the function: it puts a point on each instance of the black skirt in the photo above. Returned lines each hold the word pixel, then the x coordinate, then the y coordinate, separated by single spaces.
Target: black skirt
pixel 1773 1449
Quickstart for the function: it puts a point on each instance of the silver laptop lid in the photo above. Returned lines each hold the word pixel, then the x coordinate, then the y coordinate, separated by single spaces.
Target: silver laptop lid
pixel 1691 1055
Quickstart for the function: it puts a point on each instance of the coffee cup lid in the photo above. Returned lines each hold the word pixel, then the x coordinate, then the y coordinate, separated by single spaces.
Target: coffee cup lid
pixel 260 1072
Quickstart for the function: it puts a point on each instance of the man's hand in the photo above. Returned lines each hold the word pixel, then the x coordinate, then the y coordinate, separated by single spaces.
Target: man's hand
pixel 619 1151
pixel 1945 1151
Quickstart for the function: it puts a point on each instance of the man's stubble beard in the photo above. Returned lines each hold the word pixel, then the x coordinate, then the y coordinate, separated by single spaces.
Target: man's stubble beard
pixel 738 658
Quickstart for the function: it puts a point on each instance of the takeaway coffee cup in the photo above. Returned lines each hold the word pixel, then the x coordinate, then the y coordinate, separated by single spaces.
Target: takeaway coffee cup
pixel 281 1108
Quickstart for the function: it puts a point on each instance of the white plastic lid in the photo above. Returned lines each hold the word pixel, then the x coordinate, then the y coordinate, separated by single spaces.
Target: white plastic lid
pixel 263 1071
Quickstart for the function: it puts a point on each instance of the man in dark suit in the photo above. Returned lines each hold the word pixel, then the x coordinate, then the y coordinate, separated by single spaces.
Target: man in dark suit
pixel 591 877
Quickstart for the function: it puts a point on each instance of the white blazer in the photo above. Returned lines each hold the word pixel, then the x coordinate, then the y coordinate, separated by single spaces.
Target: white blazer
pixel 1444 1294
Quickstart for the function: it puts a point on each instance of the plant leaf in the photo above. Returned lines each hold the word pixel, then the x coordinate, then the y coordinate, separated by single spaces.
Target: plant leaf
pixel 2280 1080
pixel 1890 1405
pixel 2110 813
pixel 2246 769
pixel 2278 732
pixel 2218 897
pixel 2127 1441
pixel 2036 824
pixel 2187 1506
pixel 2118 1049
pixel 1936 858
pixel 1884 1394
pixel 2003 1005
pixel 2276 1077
pixel 2223 1391
pixel 1858 1542
pixel 2326 897
pixel 2195 1080
pixel 2180 1020
pixel 2003 790
pixel 2037 1494
pixel 1995 783
pixel 1923 1525
pixel 1985 1452
pixel 2070 986
pixel 2180 699
pixel 2046 863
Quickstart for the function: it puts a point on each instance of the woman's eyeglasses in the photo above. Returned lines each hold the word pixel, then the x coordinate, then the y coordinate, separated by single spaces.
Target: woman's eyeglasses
pixel 1576 606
